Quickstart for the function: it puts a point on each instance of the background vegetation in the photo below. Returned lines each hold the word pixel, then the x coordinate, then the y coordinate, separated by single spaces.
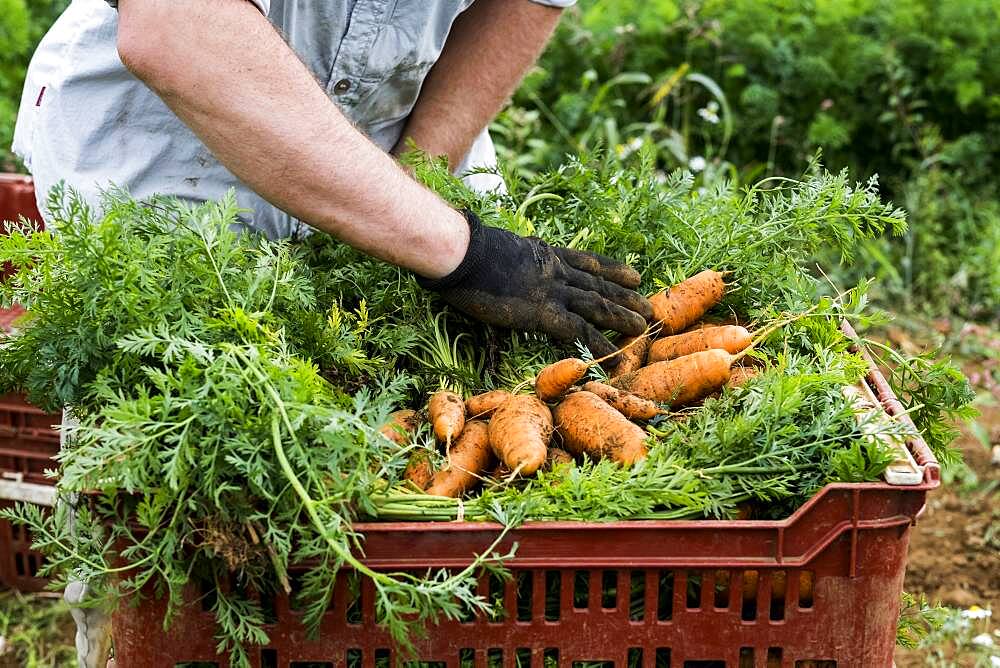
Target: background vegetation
pixel 22 27
pixel 749 89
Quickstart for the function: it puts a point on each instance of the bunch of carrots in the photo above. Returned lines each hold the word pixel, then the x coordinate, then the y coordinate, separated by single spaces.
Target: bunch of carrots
pixel 676 362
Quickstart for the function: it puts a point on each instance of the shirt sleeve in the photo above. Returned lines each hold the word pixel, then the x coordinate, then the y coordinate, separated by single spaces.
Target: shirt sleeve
pixel 556 3
pixel 263 5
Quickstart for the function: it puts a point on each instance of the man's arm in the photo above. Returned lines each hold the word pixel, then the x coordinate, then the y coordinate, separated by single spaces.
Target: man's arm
pixel 229 76
pixel 490 48
pixel 224 70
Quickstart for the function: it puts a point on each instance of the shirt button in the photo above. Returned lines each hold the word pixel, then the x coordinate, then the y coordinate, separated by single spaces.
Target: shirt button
pixel 342 86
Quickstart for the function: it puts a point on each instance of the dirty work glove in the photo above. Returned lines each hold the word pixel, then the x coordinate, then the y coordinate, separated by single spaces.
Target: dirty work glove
pixel 523 283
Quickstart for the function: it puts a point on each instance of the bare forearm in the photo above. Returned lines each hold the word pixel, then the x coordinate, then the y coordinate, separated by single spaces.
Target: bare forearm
pixel 230 77
pixel 491 47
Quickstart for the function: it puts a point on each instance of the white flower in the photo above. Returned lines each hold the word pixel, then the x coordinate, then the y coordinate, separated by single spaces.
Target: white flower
pixel 995 661
pixel 697 163
pixel 3 645
pixel 983 639
pixel 625 150
pixel 975 612
pixel 709 114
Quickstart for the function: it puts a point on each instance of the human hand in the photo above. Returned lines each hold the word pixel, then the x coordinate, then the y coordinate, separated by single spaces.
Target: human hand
pixel 523 283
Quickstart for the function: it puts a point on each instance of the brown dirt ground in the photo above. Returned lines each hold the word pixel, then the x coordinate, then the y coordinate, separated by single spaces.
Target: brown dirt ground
pixel 950 559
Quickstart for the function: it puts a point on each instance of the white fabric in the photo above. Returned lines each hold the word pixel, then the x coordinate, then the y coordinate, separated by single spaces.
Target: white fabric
pixel 86 120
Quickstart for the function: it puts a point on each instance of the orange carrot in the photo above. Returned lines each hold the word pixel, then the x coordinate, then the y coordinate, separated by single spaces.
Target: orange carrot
pixel 468 459
pixel 401 426
pixel 679 381
pixel 709 321
pixel 519 433
pixel 731 338
pixel 631 406
pixel 633 354
pixel 419 469
pixel 591 427
pixel 446 411
pixel 555 380
pixel 686 379
pixel 679 307
pixel 483 405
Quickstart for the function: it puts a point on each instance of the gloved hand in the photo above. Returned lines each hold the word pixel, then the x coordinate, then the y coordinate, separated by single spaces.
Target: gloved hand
pixel 523 283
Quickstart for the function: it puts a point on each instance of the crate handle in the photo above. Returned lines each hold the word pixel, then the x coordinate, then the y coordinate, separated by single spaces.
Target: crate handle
pixel 40 495
pixel 918 447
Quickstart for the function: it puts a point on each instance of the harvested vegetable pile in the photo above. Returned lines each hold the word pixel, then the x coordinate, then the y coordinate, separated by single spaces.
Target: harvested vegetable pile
pixel 242 402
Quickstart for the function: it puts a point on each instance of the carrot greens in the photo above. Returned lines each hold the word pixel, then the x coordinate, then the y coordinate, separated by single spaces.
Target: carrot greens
pixel 230 389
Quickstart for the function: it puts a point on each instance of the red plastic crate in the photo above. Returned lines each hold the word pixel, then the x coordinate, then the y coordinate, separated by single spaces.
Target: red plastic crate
pixel 17 199
pixel 820 589
pixel 28 435
pixel 28 440
pixel 27 444
pixel 19 564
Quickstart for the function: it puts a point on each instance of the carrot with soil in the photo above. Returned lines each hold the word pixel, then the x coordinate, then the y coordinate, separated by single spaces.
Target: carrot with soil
pixel 419 469
pixel 630 405
pixel 556 457
pixel 401 426
pixel 485 404
pixel 446 411
pixel 687 379
pixel 589 426
pixel 468 459
pixel 556 379
pixel 632 354
pixel 682 305
pixel 741 375
pixel 679 381
pixel 731 338
pixel 519 433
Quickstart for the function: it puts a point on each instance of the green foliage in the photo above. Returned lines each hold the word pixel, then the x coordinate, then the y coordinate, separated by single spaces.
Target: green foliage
pixel 918 620
pixel 230 389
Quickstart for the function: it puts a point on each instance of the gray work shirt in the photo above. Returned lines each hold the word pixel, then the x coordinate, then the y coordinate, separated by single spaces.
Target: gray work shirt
pixel 86 120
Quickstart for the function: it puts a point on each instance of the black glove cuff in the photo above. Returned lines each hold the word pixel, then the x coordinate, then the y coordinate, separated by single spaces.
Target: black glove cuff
pixel 475 255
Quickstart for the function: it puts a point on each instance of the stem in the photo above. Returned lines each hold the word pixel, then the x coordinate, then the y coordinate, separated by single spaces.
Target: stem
pixel 307 501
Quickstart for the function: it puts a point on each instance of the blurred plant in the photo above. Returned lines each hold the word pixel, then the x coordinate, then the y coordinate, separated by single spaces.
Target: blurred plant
pixel 22 26
pixel 918 618
pixel 35 631
pixel 962 639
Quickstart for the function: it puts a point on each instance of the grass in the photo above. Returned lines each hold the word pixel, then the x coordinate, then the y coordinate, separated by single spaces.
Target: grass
pixel 36 631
